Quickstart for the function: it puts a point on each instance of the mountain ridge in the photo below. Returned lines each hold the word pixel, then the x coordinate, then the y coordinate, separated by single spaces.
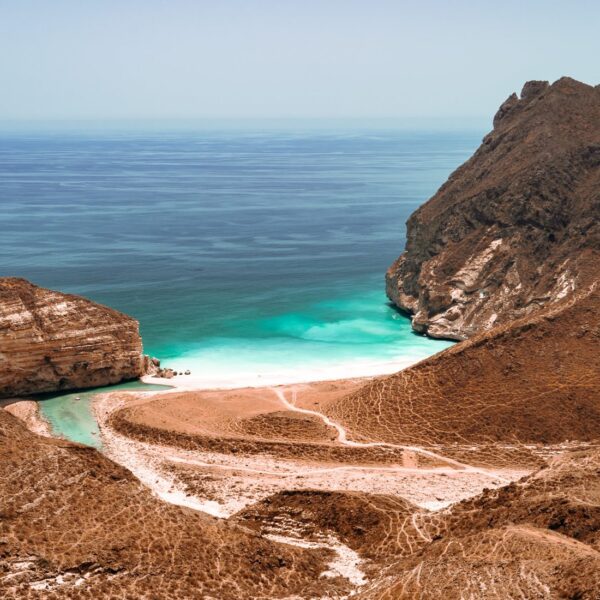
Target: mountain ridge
pixel 513 228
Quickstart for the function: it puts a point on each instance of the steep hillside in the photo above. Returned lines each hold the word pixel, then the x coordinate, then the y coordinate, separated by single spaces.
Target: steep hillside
pixel 539 538
pixel 73 524
pixel 514 228
pixel 536 380
pixel 53 341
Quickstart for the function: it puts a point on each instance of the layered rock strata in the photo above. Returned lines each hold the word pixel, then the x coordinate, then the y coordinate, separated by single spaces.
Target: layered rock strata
pixel 53 341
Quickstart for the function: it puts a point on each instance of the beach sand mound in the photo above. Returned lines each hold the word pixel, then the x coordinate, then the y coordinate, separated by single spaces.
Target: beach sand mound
pixel 247 422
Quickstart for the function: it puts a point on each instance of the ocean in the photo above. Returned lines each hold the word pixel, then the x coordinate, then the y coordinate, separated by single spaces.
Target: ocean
pixel 248 256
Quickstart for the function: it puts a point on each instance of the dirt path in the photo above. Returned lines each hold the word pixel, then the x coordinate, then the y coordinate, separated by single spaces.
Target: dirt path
pixel 343 439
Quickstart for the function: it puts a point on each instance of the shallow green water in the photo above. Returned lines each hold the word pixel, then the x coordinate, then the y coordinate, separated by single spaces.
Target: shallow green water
pixel 70 414
pixel 354 334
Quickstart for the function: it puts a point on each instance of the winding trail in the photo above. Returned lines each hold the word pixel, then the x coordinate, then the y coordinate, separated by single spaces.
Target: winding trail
pixel 342 438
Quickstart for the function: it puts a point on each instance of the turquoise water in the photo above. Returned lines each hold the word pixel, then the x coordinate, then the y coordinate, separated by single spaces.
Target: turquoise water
pixel 70 414
pixel 248 256
pixel 354 335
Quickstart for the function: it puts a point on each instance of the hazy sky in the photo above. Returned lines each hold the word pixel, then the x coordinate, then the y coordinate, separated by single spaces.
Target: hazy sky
pixel 84 59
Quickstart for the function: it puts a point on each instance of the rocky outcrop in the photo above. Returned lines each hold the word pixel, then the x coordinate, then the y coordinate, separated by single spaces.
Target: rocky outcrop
pixel 52 341
pixel 514 228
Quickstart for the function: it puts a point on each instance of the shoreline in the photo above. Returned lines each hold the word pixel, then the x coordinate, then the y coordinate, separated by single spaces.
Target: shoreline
pixel 364 371
pixel 28 411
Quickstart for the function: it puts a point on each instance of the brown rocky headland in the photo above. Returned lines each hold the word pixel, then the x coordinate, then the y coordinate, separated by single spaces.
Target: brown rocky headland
pixel 514 228
pixel 53 341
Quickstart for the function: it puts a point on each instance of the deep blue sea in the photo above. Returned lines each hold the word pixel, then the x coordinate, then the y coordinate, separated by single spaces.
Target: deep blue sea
pixel 247 256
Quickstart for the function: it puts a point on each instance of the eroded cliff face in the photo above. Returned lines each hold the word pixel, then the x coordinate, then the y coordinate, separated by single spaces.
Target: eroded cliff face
pixel 514 228
pixel 52 341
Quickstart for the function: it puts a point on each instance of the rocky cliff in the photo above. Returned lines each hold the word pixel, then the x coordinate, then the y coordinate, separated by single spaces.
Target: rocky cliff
pixel 52 341
pixel 514 228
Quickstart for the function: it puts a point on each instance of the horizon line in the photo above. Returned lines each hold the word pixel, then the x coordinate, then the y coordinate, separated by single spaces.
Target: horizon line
pixel 245 118
pixel 405 123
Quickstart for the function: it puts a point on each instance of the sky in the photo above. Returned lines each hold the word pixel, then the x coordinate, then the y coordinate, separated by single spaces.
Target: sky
pixel 262 59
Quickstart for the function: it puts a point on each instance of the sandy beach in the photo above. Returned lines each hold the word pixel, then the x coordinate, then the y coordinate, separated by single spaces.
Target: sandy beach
pixel 359 369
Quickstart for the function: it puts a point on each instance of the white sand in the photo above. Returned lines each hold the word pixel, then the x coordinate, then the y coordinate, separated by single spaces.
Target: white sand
pixel 216 381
